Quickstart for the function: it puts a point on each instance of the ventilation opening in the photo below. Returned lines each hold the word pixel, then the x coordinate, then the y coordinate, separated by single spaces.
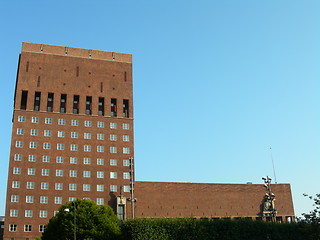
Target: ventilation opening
pixel 27 67
pixel 101 106
pixel 125 108
pixel 88 105
pixel 24 98
pixel 50 102
pixel 76 104
pixel 113 107
pixel 63 103
pixel 37 97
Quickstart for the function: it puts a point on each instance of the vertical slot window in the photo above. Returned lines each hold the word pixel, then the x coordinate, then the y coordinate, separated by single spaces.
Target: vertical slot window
pixel 101 106
pixel 63 103
pixel 113 107
pixel 125 112
pixel 50 102
pixel 88 105
pixel 76 104
pixel 24 98
pixel 37 97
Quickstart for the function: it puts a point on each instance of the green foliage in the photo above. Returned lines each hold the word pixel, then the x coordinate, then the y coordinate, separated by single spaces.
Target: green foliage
pixel 92 222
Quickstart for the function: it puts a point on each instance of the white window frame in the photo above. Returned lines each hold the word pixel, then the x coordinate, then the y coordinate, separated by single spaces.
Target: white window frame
pixel 61 134
pixel 45 158
pixel 21 118
pixel 86 187
pixel 74 122
pixel 61 121
pixel 34 132
pixel 100 124
pixel 60 146
pixel 100 161
pixel 58 186
pixel 48 120
pixel 32 158
pixel 72 187
pixel 45 172
pixel 113 162
pixel 19 144
pixel 47 133
pixel 46 145
pixel 35 119
pixel 74 134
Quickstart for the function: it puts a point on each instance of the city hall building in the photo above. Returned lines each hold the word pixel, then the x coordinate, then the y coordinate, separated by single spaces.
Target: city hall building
pixel 73 137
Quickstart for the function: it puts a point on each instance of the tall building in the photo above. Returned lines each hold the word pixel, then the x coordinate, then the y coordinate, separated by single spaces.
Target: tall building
pixel 72 133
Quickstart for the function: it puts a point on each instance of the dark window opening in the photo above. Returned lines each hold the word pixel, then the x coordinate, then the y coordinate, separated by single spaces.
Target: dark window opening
pixel 125 108
pixel 88 105
pixel 63 103
pixel 24 98
pixel 50 102
pixel 101 87
pixel 125 76
pixel 76 104
pixel 78 70
pixel 38 82
pixel 101 106
pixel 37 97
pixel 27 67
pixel 113 107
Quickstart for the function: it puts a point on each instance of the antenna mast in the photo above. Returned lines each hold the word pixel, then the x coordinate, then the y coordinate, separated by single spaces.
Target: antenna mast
pixel 274 171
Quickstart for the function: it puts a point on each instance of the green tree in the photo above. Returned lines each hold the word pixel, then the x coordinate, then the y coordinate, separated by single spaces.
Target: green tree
pixel 88 219
pixel 314 215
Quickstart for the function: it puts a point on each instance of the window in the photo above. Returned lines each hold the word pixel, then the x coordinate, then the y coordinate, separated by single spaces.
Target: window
pixel 113 162
pixel 73 160
pixel 101 106
pixel 21 118
pixel 87 136
pixel 16 170
pixel 14 198
pixel 100 148
pixel 113 174
pixel 100 136
pixel 59 159
pixel 45 172
pixel 13 213
pixel 74 147
pixel 113 149
pixel 87 148
pixel 126 175
pixel 34 132
pixel 60 146
pixel 100 201
pixel 86 174
pixel 45 158
pixel 50 102
pixel 46 145
pixel 125 138
pixel 37 101
pixel 30 185
pixel 48 120
pixel 86 187
pixel 100 188
pixel 42 228
pixel 59 186
pixel 31 171
pixel 87 123
pixel 28 213
pixel 28 227
pixel 15 184
pixel 74 123
pixel 113 125
pixel 20 131
pixel 59 173
pixel 35 119
pixel 55 213
pixel 57 200
pixel 100 124
pixel 113 188
pixel 88 105
pixel 113 137
pixel 113 112
pixel 29 199
pixel 126 150
pixel 72 187
pixel 71 199
pixel 44 186
pixel 61 121
pixel 12 227
pixel 32 158
pixel 61 134
pixel 47 133
pixel 100 161
pixel 125 112
pixel 73 173
pixel 125 126
pixel 76 104
pixel 19 144
pixel 43 214
pixel 63 103
pixel 43 199
pixel 126 188
pixel 74 135
pixel 33 145
pixel 18 157
pixel 100 174
pixel 86 160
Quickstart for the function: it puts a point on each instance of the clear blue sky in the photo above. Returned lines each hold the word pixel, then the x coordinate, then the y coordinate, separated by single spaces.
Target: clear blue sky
pixel 216 83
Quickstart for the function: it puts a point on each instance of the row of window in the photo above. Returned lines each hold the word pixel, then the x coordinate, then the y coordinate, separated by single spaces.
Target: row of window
pixel 72 160
pixel 72 173
pixel 48 133
pixel 73 147
pixel 59 186
pixel 100 124
pixel 27 228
